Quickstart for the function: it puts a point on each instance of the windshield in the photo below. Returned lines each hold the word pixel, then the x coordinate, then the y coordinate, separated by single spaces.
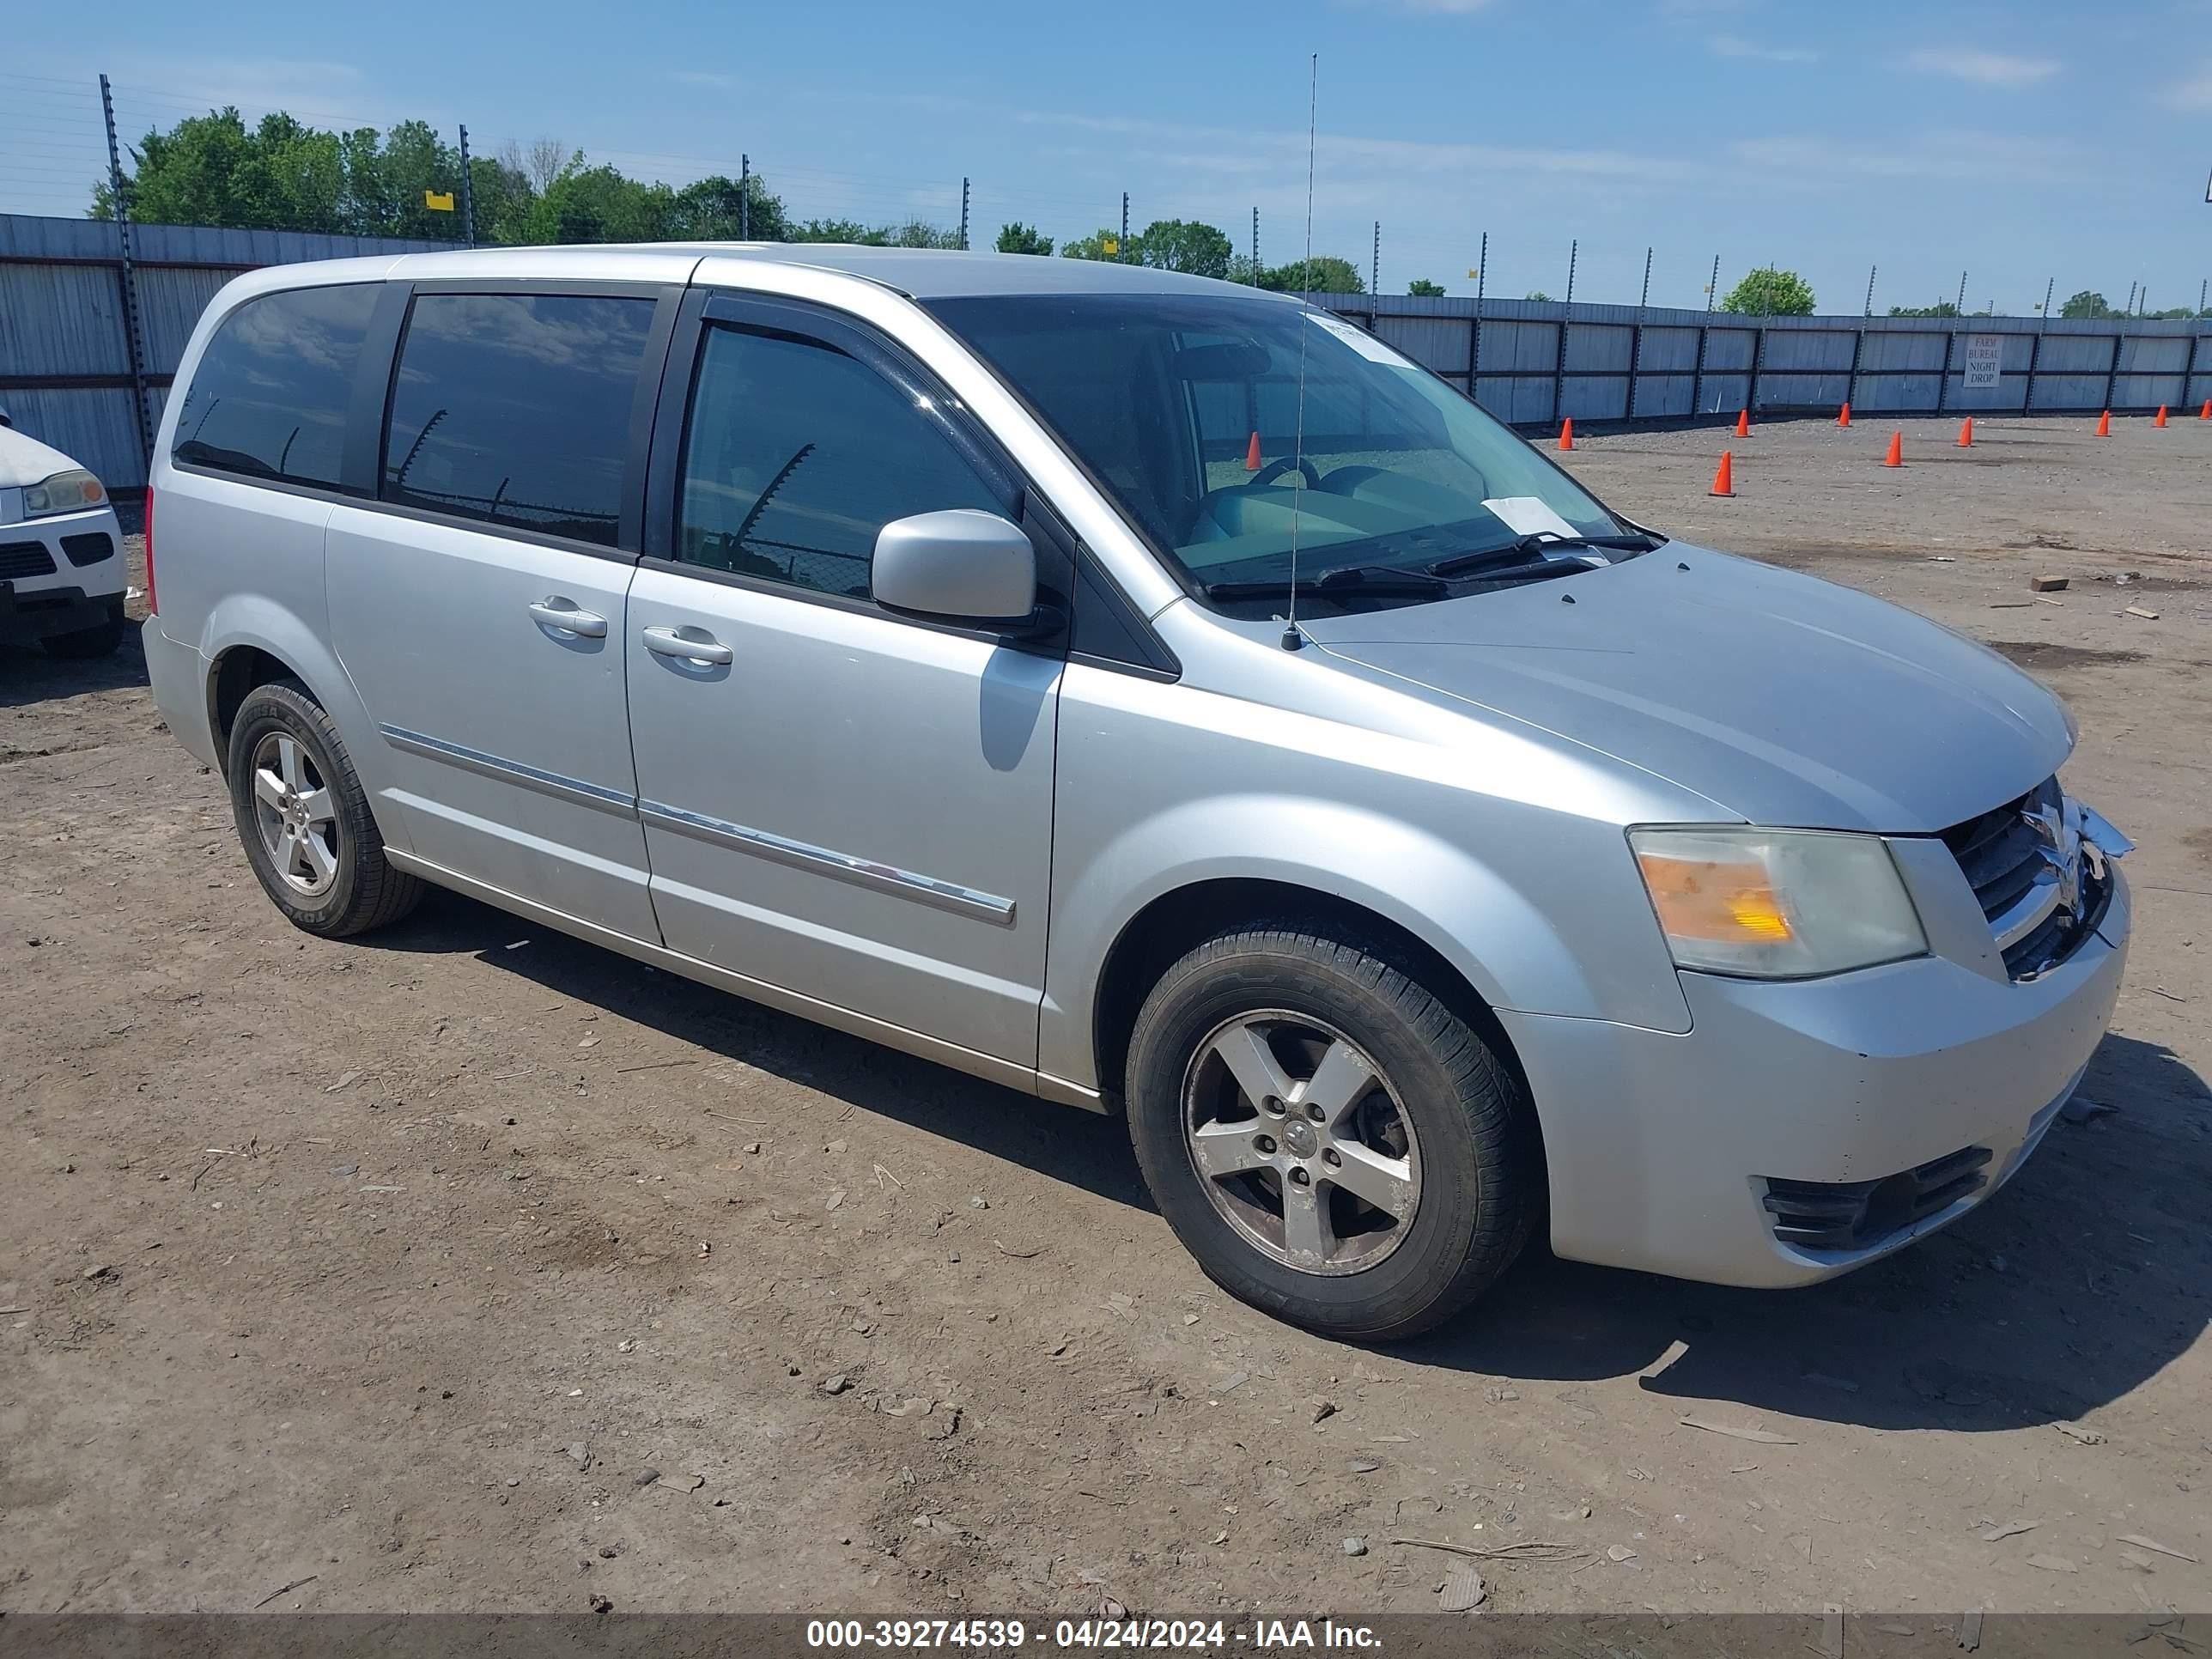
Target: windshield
pixel 1187 410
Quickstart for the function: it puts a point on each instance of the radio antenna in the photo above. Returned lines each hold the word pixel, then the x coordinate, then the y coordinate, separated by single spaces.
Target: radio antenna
pixel 1291 638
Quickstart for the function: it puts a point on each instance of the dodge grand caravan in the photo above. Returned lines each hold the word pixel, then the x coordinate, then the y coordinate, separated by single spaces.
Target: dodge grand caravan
pixel 1156 696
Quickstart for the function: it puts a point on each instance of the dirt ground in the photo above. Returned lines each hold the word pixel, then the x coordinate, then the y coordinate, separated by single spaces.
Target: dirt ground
pixel 381 1274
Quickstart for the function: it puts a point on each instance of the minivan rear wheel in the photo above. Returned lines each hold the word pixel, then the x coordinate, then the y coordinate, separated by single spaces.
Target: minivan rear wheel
pixel 1332 1141
pixel 305 819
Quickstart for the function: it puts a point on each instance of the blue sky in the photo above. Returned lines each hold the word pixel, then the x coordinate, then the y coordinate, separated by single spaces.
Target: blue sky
pixel 2015 142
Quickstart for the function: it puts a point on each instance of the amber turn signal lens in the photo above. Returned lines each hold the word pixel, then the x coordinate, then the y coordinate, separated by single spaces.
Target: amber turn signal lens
pixel 1720 902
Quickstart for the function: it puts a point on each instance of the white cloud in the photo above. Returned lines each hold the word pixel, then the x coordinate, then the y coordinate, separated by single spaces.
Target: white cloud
pixel 2193 93
pixel 1946 155
pixel 1735 45
pixel 1988 68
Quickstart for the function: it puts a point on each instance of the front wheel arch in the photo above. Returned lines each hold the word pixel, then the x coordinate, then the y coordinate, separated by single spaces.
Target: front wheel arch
pixel 1175 922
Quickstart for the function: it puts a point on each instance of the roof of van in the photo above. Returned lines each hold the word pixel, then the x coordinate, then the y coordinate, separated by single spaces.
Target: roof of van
pixel 920 273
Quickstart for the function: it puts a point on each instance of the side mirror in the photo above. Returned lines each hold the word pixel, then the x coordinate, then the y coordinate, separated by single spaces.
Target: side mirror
pixel 959 565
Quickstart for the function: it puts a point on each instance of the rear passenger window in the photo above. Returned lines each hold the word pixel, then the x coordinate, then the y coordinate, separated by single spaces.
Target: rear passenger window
pixel 514 409
pixel 799 454
pixel 269 398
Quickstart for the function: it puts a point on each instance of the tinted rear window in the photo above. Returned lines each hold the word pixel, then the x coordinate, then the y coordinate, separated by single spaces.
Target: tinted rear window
pixel 269 398
pixel 514 409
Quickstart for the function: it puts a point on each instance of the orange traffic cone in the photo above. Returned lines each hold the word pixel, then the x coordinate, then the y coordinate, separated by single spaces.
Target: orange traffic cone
pixel 2104 424
pixel 2205 413
pixel 1743 424
pixel 1896 456
pixel 1844 418
pixel 1252 454
pixel 2160 421
pixel 1724 477
pixel 1966 434
pixel 1567 432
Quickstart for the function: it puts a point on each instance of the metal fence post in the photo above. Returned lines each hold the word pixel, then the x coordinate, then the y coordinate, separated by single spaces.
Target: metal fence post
pixel 1858 356
pixel 744 199
pixel 964 210
pixel 1122 247
pixel 468 195
pixel 2112 373
pixel 1375 268
pixel 133 338
pixel 1758 363
pixel 1698 376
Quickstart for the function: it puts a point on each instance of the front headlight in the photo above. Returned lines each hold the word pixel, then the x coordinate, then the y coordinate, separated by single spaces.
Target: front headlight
pixel 65 492
pixel 1777 903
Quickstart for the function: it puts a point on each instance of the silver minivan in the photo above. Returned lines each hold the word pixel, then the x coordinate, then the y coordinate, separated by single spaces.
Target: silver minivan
pixel 1155 695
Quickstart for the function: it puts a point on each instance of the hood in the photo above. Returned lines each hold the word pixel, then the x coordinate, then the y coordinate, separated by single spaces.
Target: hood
pixel 24 461
pixel 1783 699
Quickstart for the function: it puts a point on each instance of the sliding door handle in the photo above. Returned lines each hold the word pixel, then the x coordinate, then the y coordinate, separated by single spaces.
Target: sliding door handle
pixel 694 645
pixel 569 618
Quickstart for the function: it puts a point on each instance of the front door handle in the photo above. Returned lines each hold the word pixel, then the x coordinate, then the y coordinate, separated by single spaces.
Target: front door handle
pixel 688 645
pixel 567 615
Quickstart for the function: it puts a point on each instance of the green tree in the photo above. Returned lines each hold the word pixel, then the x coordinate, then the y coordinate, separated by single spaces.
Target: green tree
pixel 1096 246
pixel 1770 292
pixel 1538 294
pixel 1185 245
pixel 1941 308
pixel 2088 303
pixel 720 209
pixel 1018 238
pixel 1422 288
pixel 1323 273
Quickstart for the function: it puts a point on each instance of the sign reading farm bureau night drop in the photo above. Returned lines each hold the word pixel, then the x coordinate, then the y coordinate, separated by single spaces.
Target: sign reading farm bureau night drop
pixel 1985 360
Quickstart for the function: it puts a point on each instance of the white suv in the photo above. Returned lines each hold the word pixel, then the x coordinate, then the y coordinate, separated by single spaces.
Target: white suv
pixel 61 551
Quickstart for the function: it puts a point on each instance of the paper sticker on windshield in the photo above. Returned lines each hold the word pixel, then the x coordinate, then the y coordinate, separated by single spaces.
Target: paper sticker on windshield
pixel 1366 344
pixel 1527 515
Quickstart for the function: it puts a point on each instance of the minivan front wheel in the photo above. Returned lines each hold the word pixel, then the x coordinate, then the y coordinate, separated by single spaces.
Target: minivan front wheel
pixel 1330 1140
pixel 305 820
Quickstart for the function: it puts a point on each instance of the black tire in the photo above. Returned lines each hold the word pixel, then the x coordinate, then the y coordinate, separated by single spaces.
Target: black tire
pixel 368 892
pixel 100 640
pixel 1481 1168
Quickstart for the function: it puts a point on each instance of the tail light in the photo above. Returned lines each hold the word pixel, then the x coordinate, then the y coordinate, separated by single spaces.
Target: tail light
pixel 151 606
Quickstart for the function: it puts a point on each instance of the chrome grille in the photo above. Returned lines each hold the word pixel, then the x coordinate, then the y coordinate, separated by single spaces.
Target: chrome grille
pixel 2023 860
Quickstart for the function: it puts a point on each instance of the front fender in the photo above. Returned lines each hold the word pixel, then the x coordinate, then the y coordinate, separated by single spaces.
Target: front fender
pixel 1471 913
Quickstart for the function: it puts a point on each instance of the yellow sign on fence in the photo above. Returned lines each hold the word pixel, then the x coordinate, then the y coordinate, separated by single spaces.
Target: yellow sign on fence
pixel 1110 246
pixel 438 201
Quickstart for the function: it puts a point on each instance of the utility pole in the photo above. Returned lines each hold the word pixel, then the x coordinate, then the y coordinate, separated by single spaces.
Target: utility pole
pixel 1574 247
pixel 1646 299
pixel 1374 266
pixel 744 199
pixel 964 210
pixel 1869 304
pixel 468 195
pixel 1962 293
pixel 133 336
pixel 1121 249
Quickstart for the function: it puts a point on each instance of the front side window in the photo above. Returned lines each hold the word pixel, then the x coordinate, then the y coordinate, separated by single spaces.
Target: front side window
pixel 1230 429
pixel 797 454
pixel 515 409
pixel 269 398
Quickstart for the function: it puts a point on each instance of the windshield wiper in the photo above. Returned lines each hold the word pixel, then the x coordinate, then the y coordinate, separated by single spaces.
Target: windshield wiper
pixel 1533 546
pixel 1379 579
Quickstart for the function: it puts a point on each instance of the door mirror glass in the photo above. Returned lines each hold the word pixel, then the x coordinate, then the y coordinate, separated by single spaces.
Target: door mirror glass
pixel 961 565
